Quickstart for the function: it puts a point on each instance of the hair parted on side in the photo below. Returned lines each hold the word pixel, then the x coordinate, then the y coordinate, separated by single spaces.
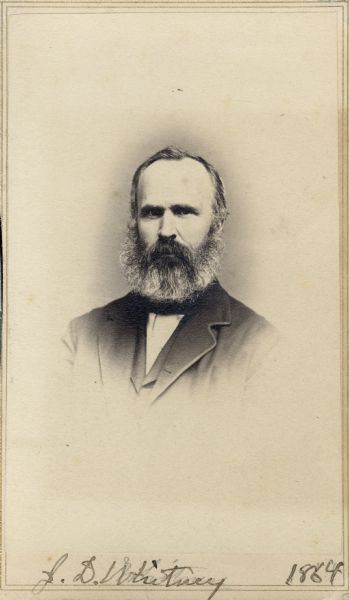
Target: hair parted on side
pixel 174 153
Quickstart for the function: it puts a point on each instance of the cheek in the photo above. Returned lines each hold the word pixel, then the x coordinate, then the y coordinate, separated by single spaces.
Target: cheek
pixel 195 231
pixel 148 231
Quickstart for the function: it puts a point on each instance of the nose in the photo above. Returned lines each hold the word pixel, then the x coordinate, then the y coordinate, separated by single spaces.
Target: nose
pixel 167 226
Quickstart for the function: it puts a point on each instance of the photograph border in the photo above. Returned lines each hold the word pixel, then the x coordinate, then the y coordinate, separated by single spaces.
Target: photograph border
pixel 9 7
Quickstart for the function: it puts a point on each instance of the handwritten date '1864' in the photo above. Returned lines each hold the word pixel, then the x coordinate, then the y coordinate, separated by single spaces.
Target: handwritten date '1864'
pixel 315 573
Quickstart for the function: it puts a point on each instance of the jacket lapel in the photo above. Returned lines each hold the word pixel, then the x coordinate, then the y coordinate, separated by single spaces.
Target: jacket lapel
pixel 117 341
pixel 196 337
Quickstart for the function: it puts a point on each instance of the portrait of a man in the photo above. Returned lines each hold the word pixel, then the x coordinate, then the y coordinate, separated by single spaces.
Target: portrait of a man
pixel 175 332
pixel 178 330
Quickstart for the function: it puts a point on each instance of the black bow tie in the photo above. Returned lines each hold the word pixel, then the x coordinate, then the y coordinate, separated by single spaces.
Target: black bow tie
pixel 169 308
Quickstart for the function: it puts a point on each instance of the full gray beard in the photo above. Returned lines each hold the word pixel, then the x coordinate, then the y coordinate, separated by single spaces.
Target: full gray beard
pixel 170 280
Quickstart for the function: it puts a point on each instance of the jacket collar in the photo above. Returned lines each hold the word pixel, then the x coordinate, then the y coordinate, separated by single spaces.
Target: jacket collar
pixel 195 338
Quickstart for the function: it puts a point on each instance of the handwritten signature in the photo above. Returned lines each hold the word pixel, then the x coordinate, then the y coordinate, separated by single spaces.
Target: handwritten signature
pixel 149 573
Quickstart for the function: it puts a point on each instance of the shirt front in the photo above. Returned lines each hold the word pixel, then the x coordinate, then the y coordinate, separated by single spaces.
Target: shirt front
pixel 159 330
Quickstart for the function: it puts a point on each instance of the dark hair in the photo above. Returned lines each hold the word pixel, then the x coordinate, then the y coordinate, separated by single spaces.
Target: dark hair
pixel 173 153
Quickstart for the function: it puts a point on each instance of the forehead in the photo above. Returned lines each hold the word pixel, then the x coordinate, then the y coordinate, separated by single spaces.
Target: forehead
pixel 176 180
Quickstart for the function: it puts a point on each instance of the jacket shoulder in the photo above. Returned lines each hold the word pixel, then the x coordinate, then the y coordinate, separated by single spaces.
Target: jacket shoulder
pixel 243 315
pixel 255 333
pixel 90 323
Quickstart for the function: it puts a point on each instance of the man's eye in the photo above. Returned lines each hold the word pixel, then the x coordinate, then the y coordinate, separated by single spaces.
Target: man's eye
pixel 183 210
pixel 151 213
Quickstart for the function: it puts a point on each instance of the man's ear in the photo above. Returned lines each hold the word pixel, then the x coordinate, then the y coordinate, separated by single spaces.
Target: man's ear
pixel 220 225
pixel 132 224
pixel 217 224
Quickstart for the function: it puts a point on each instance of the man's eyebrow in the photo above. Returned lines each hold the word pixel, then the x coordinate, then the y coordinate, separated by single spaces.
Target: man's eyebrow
pixel 147 207
pixel 186 207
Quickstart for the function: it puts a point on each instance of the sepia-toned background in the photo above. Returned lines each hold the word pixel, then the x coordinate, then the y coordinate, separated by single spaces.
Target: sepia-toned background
pixel 255 92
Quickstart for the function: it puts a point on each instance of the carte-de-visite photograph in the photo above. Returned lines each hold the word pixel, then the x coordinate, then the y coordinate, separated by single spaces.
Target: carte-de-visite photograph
pixel 174 388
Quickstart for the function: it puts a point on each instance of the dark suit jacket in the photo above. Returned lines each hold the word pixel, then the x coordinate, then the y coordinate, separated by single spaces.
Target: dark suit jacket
pixel 219 346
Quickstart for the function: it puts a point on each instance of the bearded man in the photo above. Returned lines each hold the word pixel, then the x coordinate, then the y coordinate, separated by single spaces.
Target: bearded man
pixel 177 332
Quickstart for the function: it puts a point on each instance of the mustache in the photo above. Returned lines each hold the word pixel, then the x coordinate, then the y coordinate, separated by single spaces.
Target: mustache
pixel 169 248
